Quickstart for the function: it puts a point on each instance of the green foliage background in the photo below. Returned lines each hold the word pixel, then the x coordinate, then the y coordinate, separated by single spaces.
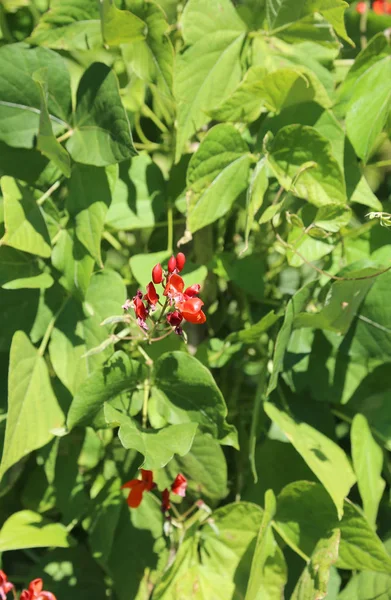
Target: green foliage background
pixel 255 135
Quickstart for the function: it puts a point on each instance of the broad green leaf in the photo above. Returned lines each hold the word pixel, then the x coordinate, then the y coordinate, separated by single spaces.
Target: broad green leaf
pixel 20 270
pixel 314 580
pixel 28 165
pixel 25 228
pixel 120 26
pixel 152 59
pixel 88 201
pixel 357 186
pixel 341 304
pixel 119 374
pixel 140 204
pixel 27 529
pixel 209 69
pixel 157 446
pixel 252 334
pixel 46 141
pixel 187 392
pixel 17 306
pixel 255 194
pixel 29 383
pixel 280 13
pixel 333 11
pixel 142 265
pixel 70 25
pixel 101 134
pixel 323 456
pixel 305 514
pixel 303 162
pixel 218 172
pixel 294 307
pixel 368 463
pixel 106 294
pixel 73 261
pixel 367 586
pixel 311 249
pixel 268 574
pixel 20 100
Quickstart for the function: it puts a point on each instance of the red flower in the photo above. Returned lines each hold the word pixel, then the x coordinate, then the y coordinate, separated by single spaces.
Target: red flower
pixel 138 487
pixel 179 486
pixel 361 7
pixel 191 310
pixel 139 308
pixel 193 290
pixel 381 7
pixel 157 273
pixel 171 265
pixel 174 318
pixel 166 500
pixel 174 288
pixel 151 294
pixel 180 261
pixel 35 592
pixel 5 585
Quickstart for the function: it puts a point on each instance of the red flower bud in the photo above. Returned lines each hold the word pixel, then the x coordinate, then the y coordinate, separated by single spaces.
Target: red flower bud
pixel 151 294
pixel 139 308
pixel 174 318
pixel 157 273
pixel 179 486
pixel 193 290
pixel 361 7
pixel 171 264
pixel 180 261
pixel 166 500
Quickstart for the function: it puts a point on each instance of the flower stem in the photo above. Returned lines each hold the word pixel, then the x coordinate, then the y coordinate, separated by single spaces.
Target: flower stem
pixel 170 228
pixel 50 327
pixel 147 387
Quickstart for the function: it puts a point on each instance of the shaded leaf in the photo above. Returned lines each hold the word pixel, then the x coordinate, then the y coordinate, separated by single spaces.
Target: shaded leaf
pixel 120 26
pixel 27 529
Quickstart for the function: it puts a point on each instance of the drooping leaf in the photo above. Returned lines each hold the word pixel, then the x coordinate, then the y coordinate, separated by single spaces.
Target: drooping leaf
pixel 217 174
pixel 101 134
pixel 120 26
pixel 209 70
pixel 27 529
pixel 368 463
pixel 323 456
pixel 29 386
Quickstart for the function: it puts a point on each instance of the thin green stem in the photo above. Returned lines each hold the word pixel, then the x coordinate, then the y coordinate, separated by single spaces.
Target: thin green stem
pixel 112 241
pixel 147 112
pixel 170 228
pixel 50 327
pixel 147 358
pixel 66 135
pixel 147 387
pixel 49 192
pixel 381 163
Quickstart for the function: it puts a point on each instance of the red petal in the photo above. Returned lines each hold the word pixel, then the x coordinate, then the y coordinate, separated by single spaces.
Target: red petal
pixel 136 494
pixel 179 486
pixel 147 478
pixel 171 265
pixel 47 596
pixel 180 261
pixel 130 484
pixel 166 500
pixel 25 595
pixel 193 290
pixel 197 318
pixel 35 586
pixel 151 294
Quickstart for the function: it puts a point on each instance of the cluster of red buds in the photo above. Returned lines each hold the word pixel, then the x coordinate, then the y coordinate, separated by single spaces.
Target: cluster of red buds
pixel 146 484
pixel 34 591
pixel 380 7
pixel 183 304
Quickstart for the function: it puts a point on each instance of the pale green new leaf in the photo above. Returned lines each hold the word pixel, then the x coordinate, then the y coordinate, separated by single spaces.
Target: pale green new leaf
pixel 218 172
pixel 157 446
pixel 209 69
pixel 368 463
pixel 323 456
pixel 120 26
pixel 29 387
pixel 25 227
pixel 28 529
pixel 303 162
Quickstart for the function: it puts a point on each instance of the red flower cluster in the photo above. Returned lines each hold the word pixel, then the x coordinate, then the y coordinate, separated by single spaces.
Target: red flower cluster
pixel 34 591
pixel 146 484
pixel 380 7
pixel 185 302
pixel 5 585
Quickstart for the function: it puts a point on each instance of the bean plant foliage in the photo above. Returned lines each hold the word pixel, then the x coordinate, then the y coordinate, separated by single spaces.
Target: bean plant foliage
pixel 195 288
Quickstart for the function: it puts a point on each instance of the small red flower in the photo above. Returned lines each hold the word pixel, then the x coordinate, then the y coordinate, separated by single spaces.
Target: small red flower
pixel 5 585
pixel 191 310
pixel 179 486
pixel 139 308
pixel 35 592
pixel 361 7
pixel 157 273
pixel 138 487
pixel 174 318
pixel 171 265
pixel 166 500
pixel 151 296
pixel 175 286
pixel 193 290
pixel 381 7
pixel 180 261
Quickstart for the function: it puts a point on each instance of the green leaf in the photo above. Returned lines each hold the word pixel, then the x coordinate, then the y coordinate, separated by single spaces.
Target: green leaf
pixel 268 574
pixel 217 173
pixel 323 456
pixel 88 201
pixel 157 446
pixel 252 334
pixel 119 374
pixel 333 11
pixel 280 13
pixel 25 228
pixel 20 270
pixel 106 294
pixel 367 586
pixel 367 112
pixel 120 26
pixel 70 25
pixel 101 133
pixel 188 393
pixel 46 141
pixel 209 70
pixel 72 259
pixel 294 306
pixel 142 265
pixel 313 583
pixel 255 195
pixel 303 162
pixel 20 102
pixel 28 429
pixel 368 463
pixel 140 204
pixel 27 529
